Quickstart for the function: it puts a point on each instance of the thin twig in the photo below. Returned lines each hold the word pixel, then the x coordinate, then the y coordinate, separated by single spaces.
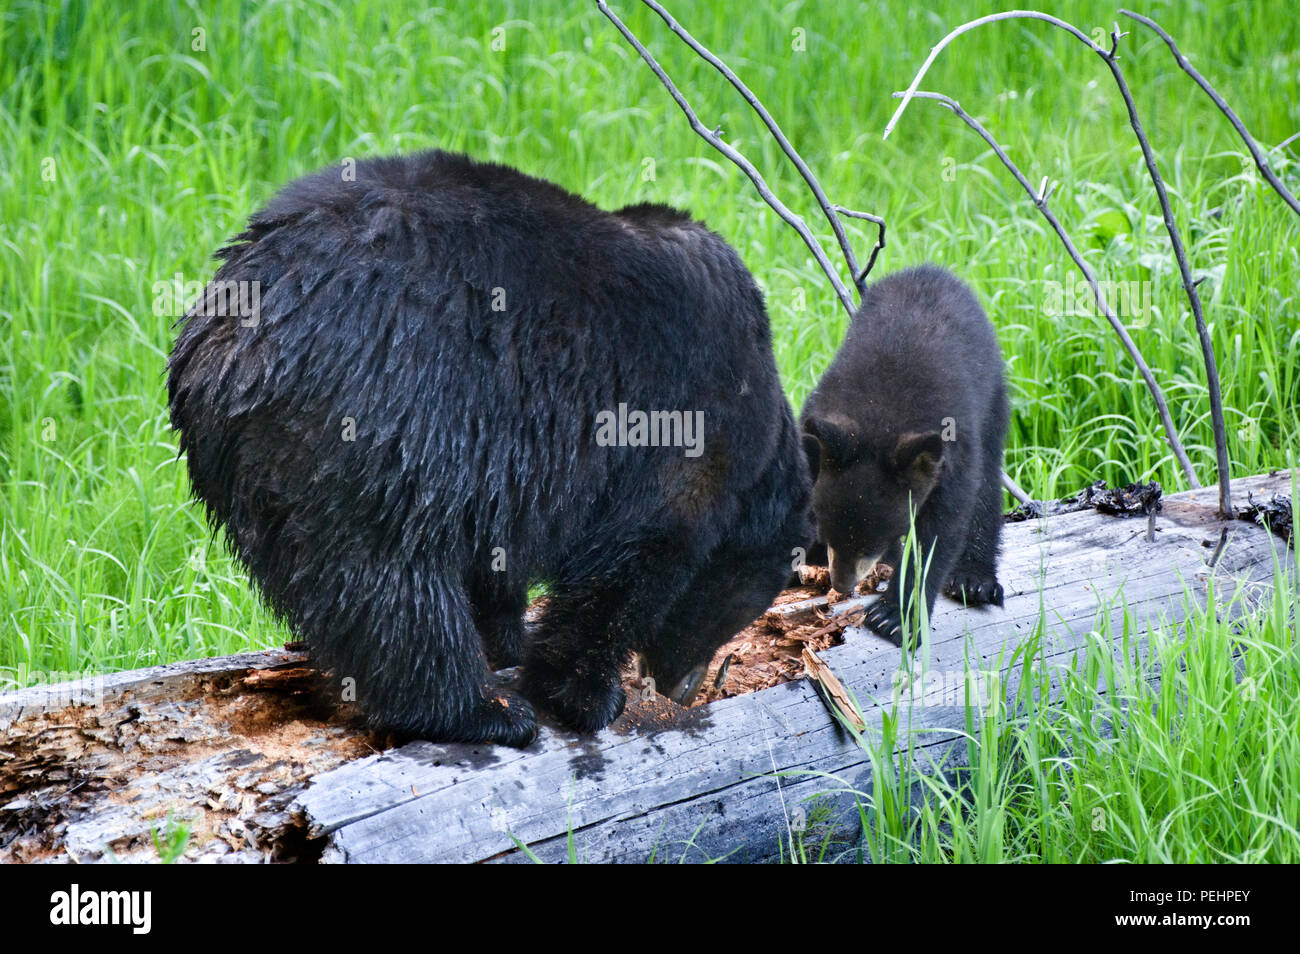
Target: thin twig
pixel 1040 202
pixel 827 209
pixel 1261 162
pixel 747 167
pixel 880 242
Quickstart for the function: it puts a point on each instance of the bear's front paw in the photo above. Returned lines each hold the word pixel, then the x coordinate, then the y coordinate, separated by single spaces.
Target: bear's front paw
pixel 975 590
pixel 884 620
pixel 504 717
pixel 585 702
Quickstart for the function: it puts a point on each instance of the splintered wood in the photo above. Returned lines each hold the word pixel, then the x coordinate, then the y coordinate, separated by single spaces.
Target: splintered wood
pixel 770 650
pixel 836 696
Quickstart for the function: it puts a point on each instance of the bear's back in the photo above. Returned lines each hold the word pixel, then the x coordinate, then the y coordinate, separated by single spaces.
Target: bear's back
pixel 457 310
pixel 444 186
pixel 436 224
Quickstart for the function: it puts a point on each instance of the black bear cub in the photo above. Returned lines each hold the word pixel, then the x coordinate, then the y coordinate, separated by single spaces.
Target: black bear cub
pixel 911 414
pixel 459 380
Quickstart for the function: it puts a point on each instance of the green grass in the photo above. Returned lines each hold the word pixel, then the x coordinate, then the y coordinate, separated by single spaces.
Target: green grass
pixel 129 156
pixel 1158 750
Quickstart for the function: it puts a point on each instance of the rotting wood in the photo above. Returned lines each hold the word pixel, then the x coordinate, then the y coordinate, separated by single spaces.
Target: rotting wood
pixel 216 745
pixel 818 576
pixel 769 651
pixel 263 768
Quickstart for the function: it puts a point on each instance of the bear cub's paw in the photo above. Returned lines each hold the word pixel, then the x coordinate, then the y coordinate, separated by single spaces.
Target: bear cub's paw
pixel 975 590
pixel 586 703
pixel 885 620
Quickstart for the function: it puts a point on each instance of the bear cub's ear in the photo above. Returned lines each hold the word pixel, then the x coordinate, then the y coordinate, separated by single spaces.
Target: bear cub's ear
pixel 830 440
pixel 917 458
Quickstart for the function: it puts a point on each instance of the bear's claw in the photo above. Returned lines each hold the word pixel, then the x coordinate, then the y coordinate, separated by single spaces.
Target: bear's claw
pixel 884 620
pixel 975 590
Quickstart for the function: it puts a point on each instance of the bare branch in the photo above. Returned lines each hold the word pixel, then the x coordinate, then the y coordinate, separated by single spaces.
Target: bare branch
pixel 1115 36
pixel 827 209
pixel 1157 395
pixel 1261 162
pixel 1189 286
pixel 967 27
pixel 747 167
pixel 1175 239
pixel 833 212
pixel 1015 489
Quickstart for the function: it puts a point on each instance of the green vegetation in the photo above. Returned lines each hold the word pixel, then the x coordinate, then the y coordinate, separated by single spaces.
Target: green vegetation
pixel 1161 749
pixel 137 137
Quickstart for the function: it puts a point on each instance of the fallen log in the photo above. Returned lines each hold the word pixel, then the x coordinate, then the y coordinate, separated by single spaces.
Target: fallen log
pixel 252 759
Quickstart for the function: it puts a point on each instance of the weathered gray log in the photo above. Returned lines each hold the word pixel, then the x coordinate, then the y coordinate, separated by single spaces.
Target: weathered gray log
pixel 268 775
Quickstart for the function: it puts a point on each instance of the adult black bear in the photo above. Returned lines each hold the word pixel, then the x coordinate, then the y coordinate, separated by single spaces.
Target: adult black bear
pixel 461 379
pixel 912 413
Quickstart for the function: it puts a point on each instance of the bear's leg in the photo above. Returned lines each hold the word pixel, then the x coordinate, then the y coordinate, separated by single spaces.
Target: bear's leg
pixel 974 579
pixel 499 602
pixel 732 590
pixel 766 526
pixel 941 528
pixel 416 655
pixel 594 617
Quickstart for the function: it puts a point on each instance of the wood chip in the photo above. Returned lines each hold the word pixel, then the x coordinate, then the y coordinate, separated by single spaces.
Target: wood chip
pixel 814 576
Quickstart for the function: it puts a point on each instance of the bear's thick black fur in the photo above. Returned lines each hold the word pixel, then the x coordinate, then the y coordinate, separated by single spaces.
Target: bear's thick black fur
pixel 912 412
pixel 406 436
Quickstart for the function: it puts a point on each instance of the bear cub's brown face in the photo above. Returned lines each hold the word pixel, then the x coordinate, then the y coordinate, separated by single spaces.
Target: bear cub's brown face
pixel 864 494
